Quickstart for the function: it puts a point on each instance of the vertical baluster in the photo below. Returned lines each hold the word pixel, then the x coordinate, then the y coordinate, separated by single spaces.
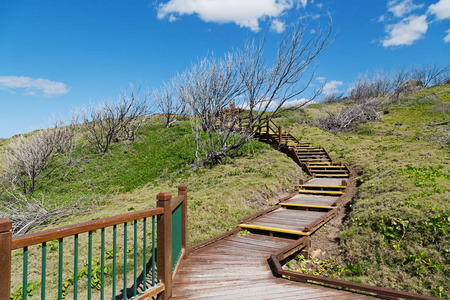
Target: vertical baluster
pixel 135 259
pixel 60 268
pixel 25 273
pixel 89 266
pixel 125 261
pixel 153 251
pixel 145 255
pixel 43 269
pixel 102 266
pixel 75 267
pixel 114 262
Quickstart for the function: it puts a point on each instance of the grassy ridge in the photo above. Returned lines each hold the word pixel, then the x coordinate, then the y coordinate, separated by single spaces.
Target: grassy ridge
pixel 397 232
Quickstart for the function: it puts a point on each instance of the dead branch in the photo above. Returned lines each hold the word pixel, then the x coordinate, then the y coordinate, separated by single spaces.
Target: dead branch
pixel 31 213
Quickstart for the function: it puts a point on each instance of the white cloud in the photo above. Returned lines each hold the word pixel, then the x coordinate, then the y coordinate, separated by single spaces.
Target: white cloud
pixel 319 5
pixel 245 13
pixel 297 102
pixel 441 9
pixel 321 79
pixel 406 32
pixel 277 26
pixel 33 86
pixel 273 104
pixel 332 87
pixel 402 7
pixel 447 37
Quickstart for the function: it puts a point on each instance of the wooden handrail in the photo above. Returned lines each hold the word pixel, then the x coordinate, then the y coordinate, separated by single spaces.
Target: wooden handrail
pixel 163 212
pixel 380 292
pixel 62 232
pixel 176 202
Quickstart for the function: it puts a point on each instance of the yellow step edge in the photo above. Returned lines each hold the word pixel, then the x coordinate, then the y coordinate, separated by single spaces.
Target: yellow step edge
pixel 305 149
pixel 308 205
pixel 321 192
pixel 332 175
pixel 328 167
pixel 290 231
pixel 323 186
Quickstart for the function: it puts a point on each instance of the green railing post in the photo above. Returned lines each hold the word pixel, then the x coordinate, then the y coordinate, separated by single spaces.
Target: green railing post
pixel 182 191
pixel 164 240
pixel 5 258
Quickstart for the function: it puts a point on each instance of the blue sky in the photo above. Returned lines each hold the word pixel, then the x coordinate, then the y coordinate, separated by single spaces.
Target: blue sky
pixel 56 56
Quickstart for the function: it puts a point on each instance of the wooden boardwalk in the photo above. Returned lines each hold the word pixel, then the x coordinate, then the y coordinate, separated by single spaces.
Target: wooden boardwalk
pixel 237 266
pixel 245 262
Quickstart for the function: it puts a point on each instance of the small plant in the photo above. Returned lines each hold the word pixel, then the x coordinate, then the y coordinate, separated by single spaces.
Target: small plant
pixel 18 295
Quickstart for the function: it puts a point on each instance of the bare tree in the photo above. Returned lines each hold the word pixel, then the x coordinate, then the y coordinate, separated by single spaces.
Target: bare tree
pixel 397 82
pixel 371 86
pixel 333 98
pixel 105 121
pixel 27 159
pixel 137 115
pixel 243 76
pixel 169 104
pixel 429 73
pixel 208 87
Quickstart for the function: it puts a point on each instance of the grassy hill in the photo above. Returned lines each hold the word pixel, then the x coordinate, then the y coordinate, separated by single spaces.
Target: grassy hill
pixel 130 175
pixel 396 233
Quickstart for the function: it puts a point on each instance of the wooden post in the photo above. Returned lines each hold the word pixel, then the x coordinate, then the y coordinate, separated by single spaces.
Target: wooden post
pixel 280 135
pixel 182 191
pixel 164 244
pixel 268 126
pixel 5 258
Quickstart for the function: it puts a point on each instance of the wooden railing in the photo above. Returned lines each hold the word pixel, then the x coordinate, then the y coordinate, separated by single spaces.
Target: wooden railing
pixel 169 220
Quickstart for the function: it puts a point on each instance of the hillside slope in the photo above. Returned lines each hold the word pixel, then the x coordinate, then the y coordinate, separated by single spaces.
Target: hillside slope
pixel 396 233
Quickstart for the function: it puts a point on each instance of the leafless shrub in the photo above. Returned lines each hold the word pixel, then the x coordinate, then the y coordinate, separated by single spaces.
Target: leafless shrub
pixel 212 84
pixel 347 118
pixel 370 86
pixel 107 120
pixel 137 115
pixel 27 213
pixel 430 74
pixel 333 98
pixel 27 159
pixel 397 83
pixel 169 103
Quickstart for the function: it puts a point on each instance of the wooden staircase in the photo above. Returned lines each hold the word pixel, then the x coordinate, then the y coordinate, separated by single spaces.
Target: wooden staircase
pixel 315 161
pixel 246 262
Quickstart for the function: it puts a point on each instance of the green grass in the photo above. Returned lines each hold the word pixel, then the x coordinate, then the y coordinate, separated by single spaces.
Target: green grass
pixel 397 230
pixel 396 233
pixel 130 176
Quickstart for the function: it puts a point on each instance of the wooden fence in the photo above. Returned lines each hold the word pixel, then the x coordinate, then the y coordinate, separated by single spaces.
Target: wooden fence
pixel 169 221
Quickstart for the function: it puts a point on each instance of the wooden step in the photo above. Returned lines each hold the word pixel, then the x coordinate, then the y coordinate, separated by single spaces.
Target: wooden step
pixel 328 167
pixel 322 186
pixel 307 205
pixel 332 175
pixel 274 229
pixel 330 171
pixel 321 192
